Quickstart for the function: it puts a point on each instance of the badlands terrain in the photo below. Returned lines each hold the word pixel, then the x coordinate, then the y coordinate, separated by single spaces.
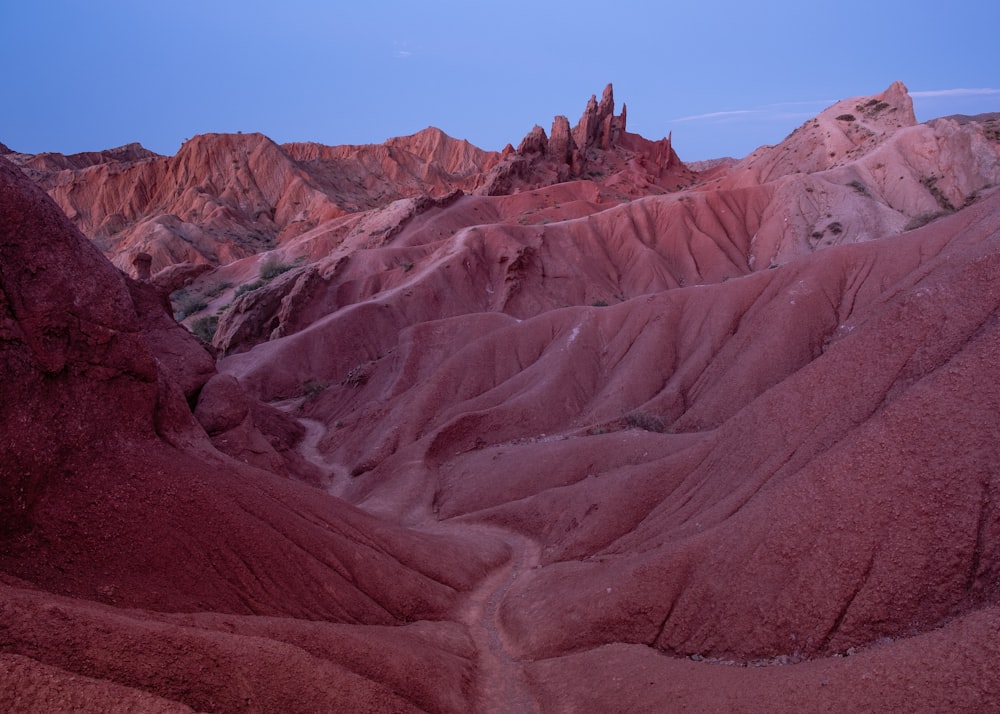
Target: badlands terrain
pixel 571 427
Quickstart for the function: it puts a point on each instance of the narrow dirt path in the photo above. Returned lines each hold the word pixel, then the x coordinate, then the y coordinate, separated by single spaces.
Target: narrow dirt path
pixel 501 686
pixel 308 448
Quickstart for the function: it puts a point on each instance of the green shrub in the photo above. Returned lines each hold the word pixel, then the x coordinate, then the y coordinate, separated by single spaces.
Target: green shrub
pixel 272 268
pixel 248 287
pixel 204 328
pixel 218 290
pixel 187 305
pixel 642 420
pixel 313 387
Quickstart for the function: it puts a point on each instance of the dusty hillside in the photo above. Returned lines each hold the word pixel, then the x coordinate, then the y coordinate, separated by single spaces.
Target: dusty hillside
pixel 572 427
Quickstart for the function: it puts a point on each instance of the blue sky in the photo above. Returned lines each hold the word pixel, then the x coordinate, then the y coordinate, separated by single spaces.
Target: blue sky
pixel 724 77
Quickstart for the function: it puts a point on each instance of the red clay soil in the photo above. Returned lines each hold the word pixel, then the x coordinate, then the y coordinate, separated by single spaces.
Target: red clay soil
pixel 592 433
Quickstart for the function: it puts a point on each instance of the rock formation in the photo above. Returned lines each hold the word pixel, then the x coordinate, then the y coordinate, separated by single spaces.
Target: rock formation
pixel 142 262
pixel 598 148
pixel 229 196
pixel 574 427
pixel 113 497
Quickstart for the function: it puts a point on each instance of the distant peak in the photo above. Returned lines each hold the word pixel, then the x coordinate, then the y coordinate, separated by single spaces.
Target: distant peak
pixel 430 133
pixel 890 109
pixel 133 151
pixel 599 127
pixel 238 136
pixel 425 141
pixel 897 87
pixel 841 133
pixel 607 100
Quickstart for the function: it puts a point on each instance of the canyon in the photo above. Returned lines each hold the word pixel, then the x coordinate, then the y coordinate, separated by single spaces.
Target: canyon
pixel 573 426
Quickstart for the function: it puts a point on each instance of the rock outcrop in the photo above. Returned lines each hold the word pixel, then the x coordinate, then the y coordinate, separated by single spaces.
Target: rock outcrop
pixel 598 148
pixel 229 196
pixel 562 146
pixel 101 451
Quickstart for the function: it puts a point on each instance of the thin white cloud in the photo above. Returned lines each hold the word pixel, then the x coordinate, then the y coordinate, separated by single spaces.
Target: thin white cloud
pixel 773 112
pixel 402 50
pixel 718 115
pixel 954 93
pixel 810 103
pixel 768 112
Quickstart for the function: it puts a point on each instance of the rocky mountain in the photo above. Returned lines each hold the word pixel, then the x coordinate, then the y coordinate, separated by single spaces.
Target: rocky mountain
pixel 225 197
pixel 571 427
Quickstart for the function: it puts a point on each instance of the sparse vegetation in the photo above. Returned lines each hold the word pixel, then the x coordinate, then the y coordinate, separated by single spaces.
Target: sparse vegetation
pixel 930 183
pixel 599 303
pixel 406 265
pixel 204 328
pixel 249 287
pixel 836 228
pixel 313 387
pixel 186 304
pixel 846 117
pixel 923 219
pixel 860 188
pixel 872 108
pixel 218 290
pixel 643 420
pixel 272 268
